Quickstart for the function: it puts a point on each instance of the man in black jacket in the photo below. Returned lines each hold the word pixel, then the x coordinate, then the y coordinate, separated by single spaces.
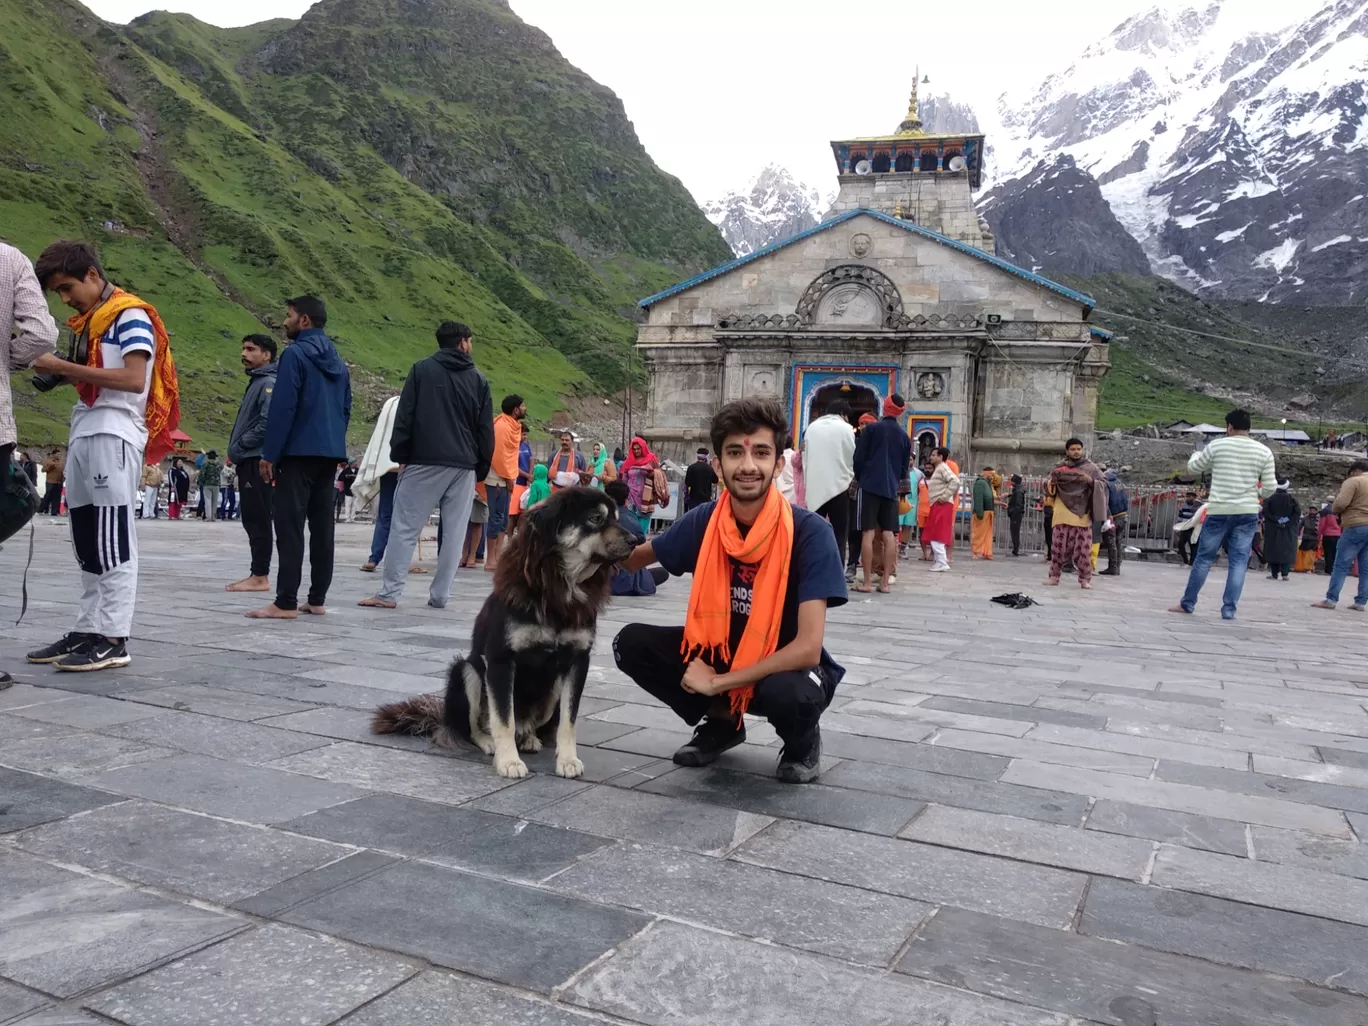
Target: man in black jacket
pixel 244 452
pixel 443 440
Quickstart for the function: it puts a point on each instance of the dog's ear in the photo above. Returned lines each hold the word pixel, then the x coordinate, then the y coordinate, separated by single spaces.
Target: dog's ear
pixel 541 526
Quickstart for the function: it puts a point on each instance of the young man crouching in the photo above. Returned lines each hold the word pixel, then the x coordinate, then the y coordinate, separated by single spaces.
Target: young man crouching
pixel 764 575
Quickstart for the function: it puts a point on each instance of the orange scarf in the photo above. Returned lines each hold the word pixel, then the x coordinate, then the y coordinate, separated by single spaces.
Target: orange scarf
pixel 162 415
pixel 707 627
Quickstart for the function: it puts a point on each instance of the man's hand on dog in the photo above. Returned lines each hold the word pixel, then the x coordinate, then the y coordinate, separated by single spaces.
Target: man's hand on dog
pixel 702 679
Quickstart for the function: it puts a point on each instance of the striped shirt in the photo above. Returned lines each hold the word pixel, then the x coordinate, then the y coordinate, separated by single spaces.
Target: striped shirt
pixel 114 412
pixel 1241 472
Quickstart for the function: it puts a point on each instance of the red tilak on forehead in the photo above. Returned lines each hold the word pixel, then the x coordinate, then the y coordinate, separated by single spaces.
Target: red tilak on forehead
pixel 746 442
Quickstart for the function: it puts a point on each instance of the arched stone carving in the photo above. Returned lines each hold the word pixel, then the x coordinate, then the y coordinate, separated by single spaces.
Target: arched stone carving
pixel 851 294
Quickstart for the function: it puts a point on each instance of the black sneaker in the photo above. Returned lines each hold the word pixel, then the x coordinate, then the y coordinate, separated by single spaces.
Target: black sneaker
pixel 711 738
pixel 72 642
pixel 99 653
pixel 801 763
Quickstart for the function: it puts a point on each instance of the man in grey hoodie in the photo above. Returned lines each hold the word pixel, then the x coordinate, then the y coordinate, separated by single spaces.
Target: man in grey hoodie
pixel 244 452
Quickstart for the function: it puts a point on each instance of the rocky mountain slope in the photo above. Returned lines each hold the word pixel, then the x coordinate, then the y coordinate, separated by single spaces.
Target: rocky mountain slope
pixel 408 161
pixel 1229 138
pixel 772 207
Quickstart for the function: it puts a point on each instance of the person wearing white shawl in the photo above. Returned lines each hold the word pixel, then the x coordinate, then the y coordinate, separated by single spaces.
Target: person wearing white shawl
pixel 377 477
pixel 829 467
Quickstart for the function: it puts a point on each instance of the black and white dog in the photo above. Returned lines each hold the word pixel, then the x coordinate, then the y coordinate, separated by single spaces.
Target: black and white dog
pixel 529 651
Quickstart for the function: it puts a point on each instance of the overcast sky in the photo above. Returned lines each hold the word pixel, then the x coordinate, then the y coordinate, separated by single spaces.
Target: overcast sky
pixel 719 88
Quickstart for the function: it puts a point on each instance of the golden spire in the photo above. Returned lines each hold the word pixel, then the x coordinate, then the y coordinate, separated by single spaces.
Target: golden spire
pixel 912 123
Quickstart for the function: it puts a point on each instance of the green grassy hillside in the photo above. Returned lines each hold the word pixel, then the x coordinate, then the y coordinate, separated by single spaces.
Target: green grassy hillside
pixel 222 170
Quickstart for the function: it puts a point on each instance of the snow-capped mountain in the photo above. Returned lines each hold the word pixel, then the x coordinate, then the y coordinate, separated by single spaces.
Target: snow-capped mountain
pixel 1232 147
pixel 771 208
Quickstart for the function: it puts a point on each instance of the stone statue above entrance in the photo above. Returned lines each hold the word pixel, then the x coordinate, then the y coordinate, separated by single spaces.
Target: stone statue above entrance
pixel 930 385
pixel 853 295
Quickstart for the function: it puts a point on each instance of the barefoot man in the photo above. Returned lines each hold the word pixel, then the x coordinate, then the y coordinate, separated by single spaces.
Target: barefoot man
pixel 306 437
pixel 244 452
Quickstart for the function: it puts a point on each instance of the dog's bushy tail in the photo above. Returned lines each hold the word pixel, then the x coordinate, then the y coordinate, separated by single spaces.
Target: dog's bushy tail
pixel 422 716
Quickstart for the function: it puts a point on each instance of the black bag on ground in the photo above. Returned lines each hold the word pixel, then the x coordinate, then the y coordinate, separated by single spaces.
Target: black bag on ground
pixel 18 499
pixel 1016 600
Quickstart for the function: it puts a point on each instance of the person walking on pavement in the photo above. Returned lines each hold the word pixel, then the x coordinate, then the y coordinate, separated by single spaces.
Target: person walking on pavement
pixel 178 490
pixel 1282 527
pixel 152 478
pixel 1183 534
pixel 882 455
pixel 1016 512
pixel 1351 506
pixel 503 474
pixel 829 468
pixel 375 482
pixel 942 494
pixel 1113 536
pixel 54 472
pixel 1242 470
pixel 244 449
pixel 443 438
pixel 700 481
pixel 1330 531
pixel 27 331
pixel 306 437
pixel 210 481
pixel 1078 493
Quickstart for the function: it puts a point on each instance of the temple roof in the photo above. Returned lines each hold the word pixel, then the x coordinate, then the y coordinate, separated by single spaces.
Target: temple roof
pixel 1085 301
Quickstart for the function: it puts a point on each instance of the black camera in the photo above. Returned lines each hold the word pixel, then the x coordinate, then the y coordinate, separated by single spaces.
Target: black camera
pixel 76 353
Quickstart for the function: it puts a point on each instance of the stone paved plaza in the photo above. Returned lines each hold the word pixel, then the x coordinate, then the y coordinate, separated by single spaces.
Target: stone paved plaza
pixel 1092 811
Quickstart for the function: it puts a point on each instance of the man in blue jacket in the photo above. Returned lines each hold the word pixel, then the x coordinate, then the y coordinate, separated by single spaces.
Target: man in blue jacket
pixel 883 454
pixel 306 437
pixel 1118 509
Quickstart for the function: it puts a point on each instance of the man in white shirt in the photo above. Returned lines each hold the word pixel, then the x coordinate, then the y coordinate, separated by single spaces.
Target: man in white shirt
pixel 829 467
pixel 1242 471
pixel 109 433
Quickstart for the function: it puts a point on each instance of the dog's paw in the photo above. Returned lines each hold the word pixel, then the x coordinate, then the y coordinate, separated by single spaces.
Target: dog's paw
pixel 529 743
pixel 514 767
pixel 484 743
pixel 568 766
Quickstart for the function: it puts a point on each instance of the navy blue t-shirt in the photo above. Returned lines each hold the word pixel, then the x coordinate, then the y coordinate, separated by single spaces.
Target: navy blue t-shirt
pixel 815 572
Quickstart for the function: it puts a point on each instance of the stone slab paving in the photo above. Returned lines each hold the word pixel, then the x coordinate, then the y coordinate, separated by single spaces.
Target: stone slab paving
pixel 1092 811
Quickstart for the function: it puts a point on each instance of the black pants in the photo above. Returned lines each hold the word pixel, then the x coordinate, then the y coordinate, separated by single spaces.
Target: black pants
pixel 793 702
pixel 1279 569
pixel 304 493
pixel 1014 524
pixel 52 499
pixel 1111 542
pixel 837 513
pixel 1329 546
pixel 1185 547
pixel 1049 530
pixel 255 506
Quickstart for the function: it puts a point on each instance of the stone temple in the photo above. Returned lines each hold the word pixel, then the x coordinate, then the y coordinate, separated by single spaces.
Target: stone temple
pixel 897 290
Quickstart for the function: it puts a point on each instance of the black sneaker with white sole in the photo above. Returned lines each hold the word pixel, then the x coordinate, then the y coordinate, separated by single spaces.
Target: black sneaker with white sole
pixel 711 738
pixel 97 654
pixel 72 642
pixel 801 763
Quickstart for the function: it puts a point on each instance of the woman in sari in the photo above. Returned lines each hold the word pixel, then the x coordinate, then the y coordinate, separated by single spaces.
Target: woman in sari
pixel 539 490
pixel 602 467
pixel 985 507
pixel 1309 550
pixel 639 470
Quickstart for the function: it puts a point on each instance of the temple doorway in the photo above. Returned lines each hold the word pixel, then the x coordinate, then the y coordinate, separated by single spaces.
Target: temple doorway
pixel 926 441
pixel 862 400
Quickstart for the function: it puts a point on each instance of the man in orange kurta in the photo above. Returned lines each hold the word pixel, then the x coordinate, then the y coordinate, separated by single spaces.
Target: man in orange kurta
pixel 503 474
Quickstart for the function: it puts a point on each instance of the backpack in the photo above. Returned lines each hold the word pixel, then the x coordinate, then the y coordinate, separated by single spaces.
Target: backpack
pixel 18 499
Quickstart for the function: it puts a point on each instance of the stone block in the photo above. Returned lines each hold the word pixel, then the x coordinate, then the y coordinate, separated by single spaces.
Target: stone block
pixel 653 819
pixel 15 1001
pixel 309 885
pixel 1160 794
pixel 831 919
pixel 1035 894
pixel 816 803
pixel 1122 985
pixel 1295 848
pixel 463 838
pixel 528 795
pixel 273 974
pixel 30 799
pixel 195 855
pixel 1026 713
pixel 215 701
pixel 430 777
pixel 1154 748
pixel 252 794
pixel 436 999
pixel 1043 751
pixel 64 934
pixel 1026 840
pixel 1261 883
pixel 936 759
pixel 222 739
pixel 1182 828
pixel 88 712
pixel 673 975
pixel 501 931
pixel 76 755
pixel 1334 796
pixel 1318 950
pixel 943 789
